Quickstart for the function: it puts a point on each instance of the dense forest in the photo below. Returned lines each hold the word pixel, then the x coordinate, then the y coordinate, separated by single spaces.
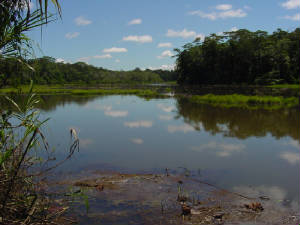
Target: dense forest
pixel 47 71
pixel 237 57
pixel 241 57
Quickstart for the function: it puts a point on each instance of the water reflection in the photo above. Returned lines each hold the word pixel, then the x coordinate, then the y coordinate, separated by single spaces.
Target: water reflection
pixel 290 157
pixel 137 141
pixel 234 148
pixel 239 122
pixel 115 113
pixel 165 117
pixel 166 108
pixel 220 149
pixel 185 128
pixel 138 124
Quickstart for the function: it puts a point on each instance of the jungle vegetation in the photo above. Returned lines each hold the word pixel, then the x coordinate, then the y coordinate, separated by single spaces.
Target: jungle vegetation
pixel 241 57
pixel 48 71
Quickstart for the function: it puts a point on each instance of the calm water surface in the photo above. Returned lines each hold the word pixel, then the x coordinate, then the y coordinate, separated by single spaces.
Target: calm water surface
pixel 250 151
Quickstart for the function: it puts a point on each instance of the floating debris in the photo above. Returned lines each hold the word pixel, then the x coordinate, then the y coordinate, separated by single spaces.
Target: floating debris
pixel 255 206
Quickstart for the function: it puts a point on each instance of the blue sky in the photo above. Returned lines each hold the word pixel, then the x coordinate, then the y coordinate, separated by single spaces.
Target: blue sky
pixel 125 34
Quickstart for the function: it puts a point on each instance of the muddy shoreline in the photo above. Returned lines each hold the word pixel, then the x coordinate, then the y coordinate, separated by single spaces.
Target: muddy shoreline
pixel 124 198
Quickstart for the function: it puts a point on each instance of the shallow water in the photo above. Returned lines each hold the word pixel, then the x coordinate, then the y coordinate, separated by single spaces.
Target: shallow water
pixel 254 152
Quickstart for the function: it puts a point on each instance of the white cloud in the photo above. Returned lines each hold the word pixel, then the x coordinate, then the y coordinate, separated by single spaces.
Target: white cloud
pixel 164 45
pixel 60 60
pixel 139 39
pixel 135 22
pixel 166 108
pixel 165 54
pixel 290 157
pixel 224 14
pixel 224 7
pixel 221 149
pixel 165 117
pixel 72 35
pixel 167 67
pixel 117 60
pixel 291 4
pixel 106 56
pixel 210 16
pixel 83 59
pixel 116 113
pixel 185 128
pixel 295 17
pixel 201 36
pixel 137 124
pixel 81 21
pixel 239 13
pixel 137 141
pixel 183 34
pixel 114 50
pixel 162 67
pixel 233 29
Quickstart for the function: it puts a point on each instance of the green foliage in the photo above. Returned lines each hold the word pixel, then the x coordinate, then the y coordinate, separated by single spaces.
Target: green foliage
pixel 42 89
pixel 47 71
pixel 21 202
pixel 241 57
pixel 289 86
pixel 235 100
pixel 16 19
pixel 79 196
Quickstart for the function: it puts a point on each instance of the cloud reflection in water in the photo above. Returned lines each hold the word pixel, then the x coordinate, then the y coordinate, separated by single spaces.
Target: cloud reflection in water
pixel 137 124
pixel 185 128
pixel 137 141
pixel 221 149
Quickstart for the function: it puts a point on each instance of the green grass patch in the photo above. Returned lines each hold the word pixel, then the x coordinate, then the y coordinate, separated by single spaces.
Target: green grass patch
pixel 290 86
pixel 41 89
pixel 253 102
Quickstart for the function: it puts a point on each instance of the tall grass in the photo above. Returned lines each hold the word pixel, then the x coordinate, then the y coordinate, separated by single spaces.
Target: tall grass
pixel 21 198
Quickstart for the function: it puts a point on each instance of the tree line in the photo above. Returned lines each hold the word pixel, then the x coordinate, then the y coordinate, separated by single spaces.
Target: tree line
pixel 240 57
pixel 47 71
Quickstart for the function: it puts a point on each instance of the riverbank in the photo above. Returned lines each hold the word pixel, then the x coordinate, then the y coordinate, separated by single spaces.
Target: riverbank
pixel 169 199
pixel 41 89
pixel 222 100
pixel 287 86
pixel 251 102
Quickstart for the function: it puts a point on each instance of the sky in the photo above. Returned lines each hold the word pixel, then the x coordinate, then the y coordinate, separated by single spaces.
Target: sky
pixel 125 34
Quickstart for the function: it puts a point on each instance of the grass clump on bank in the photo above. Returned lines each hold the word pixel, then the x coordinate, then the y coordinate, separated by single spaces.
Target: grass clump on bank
pixel 289 86
pixel 41 89
pixel 235 100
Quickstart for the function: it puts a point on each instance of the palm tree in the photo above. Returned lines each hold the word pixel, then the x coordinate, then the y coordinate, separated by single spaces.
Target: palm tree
pixel 17 18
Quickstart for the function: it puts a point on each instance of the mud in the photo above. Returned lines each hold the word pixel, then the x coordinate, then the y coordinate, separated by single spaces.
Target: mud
pixel 170 199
